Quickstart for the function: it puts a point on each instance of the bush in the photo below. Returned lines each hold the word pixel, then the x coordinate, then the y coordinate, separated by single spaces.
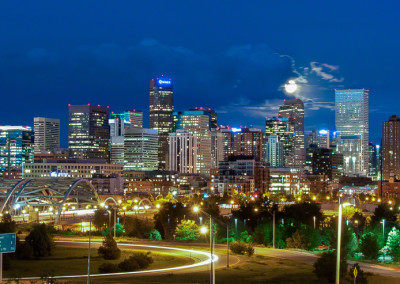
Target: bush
pixel 361 276
pixel 155 235
pixel 325 267
pixel 108 267
pixel 137 260
pixel 40 241
pixel 242 248
pixel 129 264
pixel 393 244
pixel 250 250
pixel 369 245
pixel 109 249
pixel 297 240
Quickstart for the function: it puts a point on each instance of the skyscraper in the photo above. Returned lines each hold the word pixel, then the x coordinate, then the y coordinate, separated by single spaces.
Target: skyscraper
pixel 284 130
pixel 121 121
pixel 161 119
pixel 391 148
pixel 213 117
pixel 352 123
pixel 293 109
pixel 16 148
pixel 183 152
pixel 89 132
pixel 197 123
pixel 140 149
pixel 47 134
pixel 274 151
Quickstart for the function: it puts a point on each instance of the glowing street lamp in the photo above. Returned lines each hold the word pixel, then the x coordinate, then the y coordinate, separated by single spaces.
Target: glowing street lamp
pixel 203 230
pixel 339 239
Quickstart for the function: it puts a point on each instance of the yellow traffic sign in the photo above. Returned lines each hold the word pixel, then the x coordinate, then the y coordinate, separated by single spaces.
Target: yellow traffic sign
pixel 355 272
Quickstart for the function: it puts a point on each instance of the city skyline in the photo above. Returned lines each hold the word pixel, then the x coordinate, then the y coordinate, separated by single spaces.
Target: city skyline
pixel 62 59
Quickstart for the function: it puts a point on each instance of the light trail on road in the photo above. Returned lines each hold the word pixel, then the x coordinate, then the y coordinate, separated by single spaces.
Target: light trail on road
pixel 205 262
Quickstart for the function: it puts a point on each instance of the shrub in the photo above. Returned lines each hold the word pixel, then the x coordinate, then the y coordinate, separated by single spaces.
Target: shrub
pixel 129 264
pixel 242 248
pixel 143 259
pixel 137 260
pixel 250 250
pixel 369 245
pixel 109 249
pixel 108 267
pixel 155 235
pixel 393 244
pixel 238 247
pixel 325 267
pixel 297 240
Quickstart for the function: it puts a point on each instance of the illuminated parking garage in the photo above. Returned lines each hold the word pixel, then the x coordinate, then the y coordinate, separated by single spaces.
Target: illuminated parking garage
pixel 47 199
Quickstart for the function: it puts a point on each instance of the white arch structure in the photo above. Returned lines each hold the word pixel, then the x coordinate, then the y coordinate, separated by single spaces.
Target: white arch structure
pixel 46 193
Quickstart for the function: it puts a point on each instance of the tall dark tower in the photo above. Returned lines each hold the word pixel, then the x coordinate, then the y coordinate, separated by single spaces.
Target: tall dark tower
pixel 293 109
pixel 161 119
pixel 89 132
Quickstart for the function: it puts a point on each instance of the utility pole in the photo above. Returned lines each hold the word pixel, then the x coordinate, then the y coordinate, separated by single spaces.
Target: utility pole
pixel 273 230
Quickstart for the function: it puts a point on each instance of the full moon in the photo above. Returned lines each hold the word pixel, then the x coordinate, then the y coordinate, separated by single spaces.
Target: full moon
pixel 290 87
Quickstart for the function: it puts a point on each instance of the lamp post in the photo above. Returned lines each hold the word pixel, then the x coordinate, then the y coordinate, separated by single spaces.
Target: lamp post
pixel 383 237
pixel 90 234
pixel 338 240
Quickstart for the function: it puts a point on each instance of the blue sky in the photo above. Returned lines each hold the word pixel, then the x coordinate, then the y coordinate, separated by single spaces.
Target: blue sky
pixel 232 56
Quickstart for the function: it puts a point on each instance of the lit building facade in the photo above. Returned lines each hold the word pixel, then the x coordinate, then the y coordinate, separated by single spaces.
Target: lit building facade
pixel 351 119
pixel 217 148
pixel 89 132
pixel 197 123
pixel 140 149
pixel 47 134
pixel 284 130
pixel 121 121
pixel 293 109
pixel 183 152
pixel 16 148
pixel 161 119
pixel 391 148
pixel 274 151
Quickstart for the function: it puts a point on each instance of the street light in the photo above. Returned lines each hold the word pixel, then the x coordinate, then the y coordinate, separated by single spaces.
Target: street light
pixel 338 240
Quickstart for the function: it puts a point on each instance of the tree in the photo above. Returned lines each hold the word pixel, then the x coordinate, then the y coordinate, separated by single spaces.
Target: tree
pixel 325 267
pixel 382 211
pixel 109 249
pixel 393 244
pixel 369 245
pixel 169 215
pixel 187 230
pixel 100 219
pixel 304 213
pixel 40 240
pixel 138 228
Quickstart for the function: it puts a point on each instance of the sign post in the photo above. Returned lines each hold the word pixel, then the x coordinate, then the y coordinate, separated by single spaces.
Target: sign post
pixel 7 245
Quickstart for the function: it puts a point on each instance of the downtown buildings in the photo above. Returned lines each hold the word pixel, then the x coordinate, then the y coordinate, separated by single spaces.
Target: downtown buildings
pixel 161 118
pixel 352 126
pixel 47 134
pixel 88 132
pixel 391 148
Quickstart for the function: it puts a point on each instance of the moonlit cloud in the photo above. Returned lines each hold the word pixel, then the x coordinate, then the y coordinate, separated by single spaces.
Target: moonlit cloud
pixel 325 71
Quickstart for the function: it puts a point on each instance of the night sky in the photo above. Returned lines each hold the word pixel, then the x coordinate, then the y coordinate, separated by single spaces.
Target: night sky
pixel 232 56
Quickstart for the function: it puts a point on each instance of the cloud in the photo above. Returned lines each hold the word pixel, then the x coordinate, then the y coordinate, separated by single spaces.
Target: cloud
pixel 326 71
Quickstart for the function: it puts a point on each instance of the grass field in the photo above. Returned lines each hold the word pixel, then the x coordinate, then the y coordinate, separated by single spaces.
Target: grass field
pixel 69 261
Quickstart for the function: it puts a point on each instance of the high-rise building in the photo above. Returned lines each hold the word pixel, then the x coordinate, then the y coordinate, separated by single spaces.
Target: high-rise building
pixel 121 121
pixel 140 149
pixel 293 109
pixel 323 139
pixel 16 148
pixel 47 134
pixel 213 117
pixel 183 152
pixel 391 148
pixel 217 148
pixel 117 150
pixel 284 130
pixel 197 123
pixel 89 132
pixel 324 162
pixel 274 151
pixel 311 138
pixel 373 164
pixel 161 119
pixel 352 122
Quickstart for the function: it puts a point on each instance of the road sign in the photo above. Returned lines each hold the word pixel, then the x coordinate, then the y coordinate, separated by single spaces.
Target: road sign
pixel 355 272
pixel 7 243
